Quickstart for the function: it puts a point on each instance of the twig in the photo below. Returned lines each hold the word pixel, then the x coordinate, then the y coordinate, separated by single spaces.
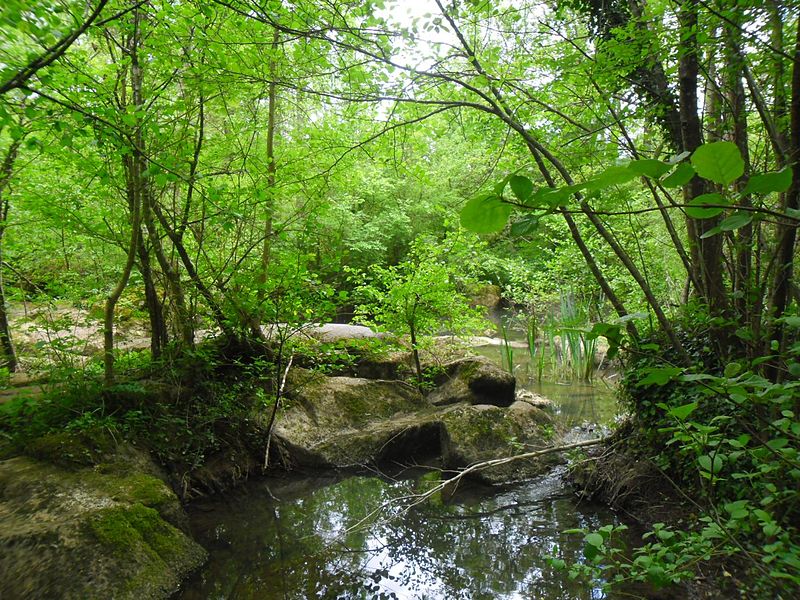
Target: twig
pixel 278 396
pixel 416 499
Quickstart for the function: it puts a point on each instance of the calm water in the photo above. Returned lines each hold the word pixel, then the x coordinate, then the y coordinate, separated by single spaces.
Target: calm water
pixel 319 537
pixel 304 538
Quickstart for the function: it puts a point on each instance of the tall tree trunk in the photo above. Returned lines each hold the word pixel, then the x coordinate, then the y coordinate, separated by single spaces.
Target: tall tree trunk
pixel 183 318
pixel 6 171
pixel 787 231
pixel 706 253
pixel 743 284
pixel 272 98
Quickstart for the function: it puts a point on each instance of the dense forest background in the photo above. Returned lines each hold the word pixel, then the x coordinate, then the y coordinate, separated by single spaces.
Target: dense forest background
pixel 629 168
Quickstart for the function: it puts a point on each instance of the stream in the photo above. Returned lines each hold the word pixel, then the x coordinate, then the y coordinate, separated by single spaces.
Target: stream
pixel 311 536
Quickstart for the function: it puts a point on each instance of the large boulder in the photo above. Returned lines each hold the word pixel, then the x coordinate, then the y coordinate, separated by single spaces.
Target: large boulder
pixel 336 332
pixel 473 434
pixel 103 532
pixel 349 421
pixel 474 380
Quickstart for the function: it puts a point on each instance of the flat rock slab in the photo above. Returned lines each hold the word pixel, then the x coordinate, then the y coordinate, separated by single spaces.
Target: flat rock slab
pixel 335 332
pixel 89 534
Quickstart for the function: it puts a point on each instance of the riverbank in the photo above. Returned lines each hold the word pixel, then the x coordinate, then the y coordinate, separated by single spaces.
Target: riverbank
pixel 208 431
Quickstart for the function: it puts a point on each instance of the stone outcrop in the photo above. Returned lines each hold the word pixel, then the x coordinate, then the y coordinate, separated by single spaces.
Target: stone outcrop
pixel 473 434
pixel 109 531
pixel 347 421
pixel 475 380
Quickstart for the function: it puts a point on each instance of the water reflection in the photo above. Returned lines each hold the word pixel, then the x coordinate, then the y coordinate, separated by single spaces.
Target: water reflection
pixel 576 403
pixel 298 538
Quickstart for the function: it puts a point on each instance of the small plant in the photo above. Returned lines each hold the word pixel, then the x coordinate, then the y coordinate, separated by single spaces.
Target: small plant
pixel 506 349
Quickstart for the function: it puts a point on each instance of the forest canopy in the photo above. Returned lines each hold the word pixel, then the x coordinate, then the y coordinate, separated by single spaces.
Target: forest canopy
pixel 223 166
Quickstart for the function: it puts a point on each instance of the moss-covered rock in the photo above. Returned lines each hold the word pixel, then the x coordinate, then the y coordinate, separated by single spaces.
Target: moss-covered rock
pixel 475 380
pixel 101 532
pixel 346 421
pixel 473 434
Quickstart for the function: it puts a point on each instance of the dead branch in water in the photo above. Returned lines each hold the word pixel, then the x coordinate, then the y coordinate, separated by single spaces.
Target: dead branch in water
pixel 449 484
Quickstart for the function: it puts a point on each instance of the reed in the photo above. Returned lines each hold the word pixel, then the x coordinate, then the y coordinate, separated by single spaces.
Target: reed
pixel 506 351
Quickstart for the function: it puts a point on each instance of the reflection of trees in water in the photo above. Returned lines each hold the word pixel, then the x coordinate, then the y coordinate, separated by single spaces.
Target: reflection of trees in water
pixel 310 547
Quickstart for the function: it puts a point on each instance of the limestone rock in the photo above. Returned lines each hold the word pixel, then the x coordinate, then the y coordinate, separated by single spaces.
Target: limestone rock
pixel 347 421
pixel 101 532
pixel 478 433
pixel 475 380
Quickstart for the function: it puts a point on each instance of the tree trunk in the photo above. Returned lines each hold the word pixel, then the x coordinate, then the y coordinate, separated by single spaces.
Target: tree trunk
pixel 7 169
pixel 266 251
pixel 706 253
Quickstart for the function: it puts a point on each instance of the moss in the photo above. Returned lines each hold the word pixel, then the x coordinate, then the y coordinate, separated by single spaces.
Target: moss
pixel 134 488
pixel 138 528
pixel 150 554
pixel 72 449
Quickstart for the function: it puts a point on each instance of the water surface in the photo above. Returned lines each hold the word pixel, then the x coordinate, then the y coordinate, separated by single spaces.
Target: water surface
pixel 305 537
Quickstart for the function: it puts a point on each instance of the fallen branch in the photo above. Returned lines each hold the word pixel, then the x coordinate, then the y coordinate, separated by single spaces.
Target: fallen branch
pixel 416 499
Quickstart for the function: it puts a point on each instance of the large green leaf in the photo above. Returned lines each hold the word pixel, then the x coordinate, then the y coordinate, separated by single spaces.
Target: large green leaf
pixel 521 186
pixel 649 167
pixel 705 206
pixel 680 176
pixel 720 162
pixel 615 175
pixel 659 376
pixel 736 220
pixel 767 183
pixel 486 213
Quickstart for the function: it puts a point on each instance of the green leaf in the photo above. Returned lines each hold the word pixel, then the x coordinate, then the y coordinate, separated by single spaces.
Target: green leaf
pixel 696 207
pixel 615 175
pixel 526 225
pixel 709 464
pixel 792 321
pixel 680 176
pixel 736 220
pixel 720 162
pixel 683 411
pixel 767 183
pixel 486 213
pixel 594 539
pixel 521 186
pixel 550 197
pixel 649 167
pixel 711 232
pixel 732 369
pixel 660 376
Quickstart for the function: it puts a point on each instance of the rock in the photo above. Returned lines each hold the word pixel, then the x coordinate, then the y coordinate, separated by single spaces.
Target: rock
pixel 487 295
pixel 533 399
pixel 394 365
pixel 475 380
pixel 335 332
pixel 474 434
pixel 348 421
pixel 110 531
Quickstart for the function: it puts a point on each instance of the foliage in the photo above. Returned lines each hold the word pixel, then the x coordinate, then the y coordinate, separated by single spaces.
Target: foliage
pixel 419 297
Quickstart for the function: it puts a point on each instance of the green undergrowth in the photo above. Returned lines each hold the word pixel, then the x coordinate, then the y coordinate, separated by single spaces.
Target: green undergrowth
pixel 727 439
pixel 182 410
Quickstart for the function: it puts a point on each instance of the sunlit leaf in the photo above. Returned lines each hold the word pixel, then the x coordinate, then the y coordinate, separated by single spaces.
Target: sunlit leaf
pixel 486 213
pixel 521 186
pixel 680 176
pixel 720 162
